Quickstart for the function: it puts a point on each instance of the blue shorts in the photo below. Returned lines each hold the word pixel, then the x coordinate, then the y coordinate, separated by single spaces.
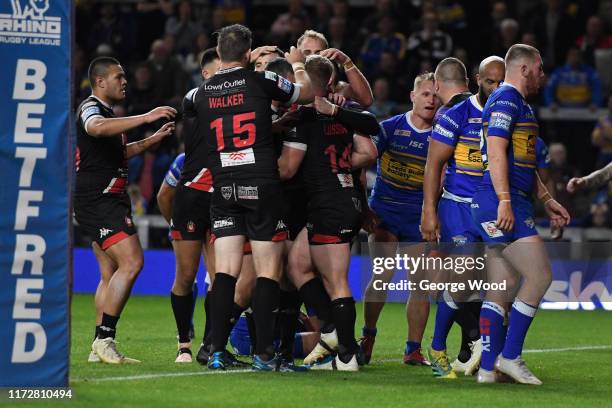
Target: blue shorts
pixel 456 223
pixel 402 220
pixel 240 339
pixel 484 214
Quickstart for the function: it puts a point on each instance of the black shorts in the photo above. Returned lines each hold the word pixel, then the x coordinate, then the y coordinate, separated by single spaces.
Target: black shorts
pixel 106 218
pixel 255 209
pixel 334 217
pixel 297 210
pixel 190 214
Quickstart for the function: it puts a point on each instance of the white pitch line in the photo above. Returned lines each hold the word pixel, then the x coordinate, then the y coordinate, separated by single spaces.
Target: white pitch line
pixel 221 372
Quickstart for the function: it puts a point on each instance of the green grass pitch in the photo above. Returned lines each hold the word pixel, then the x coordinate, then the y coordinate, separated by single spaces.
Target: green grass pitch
pixel 146 331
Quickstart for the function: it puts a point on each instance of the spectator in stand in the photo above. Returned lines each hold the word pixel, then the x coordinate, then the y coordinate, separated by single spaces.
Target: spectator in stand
pixel 599 216
pixel 381 8
pixel 141 93
pixel 322 14
pixel 183 28
pixel 554 29
pixel 385 40
pixel 341 8
pixel 340 38
pixel 192 61
pixel 168 75
pixel 595 38
pixel 431 42
pixel 509 34
pixel 602 137
pixel 529 38
pixel 560 173
pixel 112 30
pixel 574 84
pixel 453 20
pixel 218 20
pixel 234 11
pixel 382 107
pixel 400 83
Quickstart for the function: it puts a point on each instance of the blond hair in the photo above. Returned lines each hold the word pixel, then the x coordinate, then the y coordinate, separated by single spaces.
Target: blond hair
pixel 426 76
pixel 313 34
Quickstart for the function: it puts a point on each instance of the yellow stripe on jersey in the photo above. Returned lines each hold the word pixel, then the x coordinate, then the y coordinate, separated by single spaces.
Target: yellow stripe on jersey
pixel 468 158
pixel 403 171
pixel 524 145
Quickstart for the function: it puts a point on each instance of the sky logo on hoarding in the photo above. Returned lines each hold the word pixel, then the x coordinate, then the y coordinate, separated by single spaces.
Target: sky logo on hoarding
pixel 28 24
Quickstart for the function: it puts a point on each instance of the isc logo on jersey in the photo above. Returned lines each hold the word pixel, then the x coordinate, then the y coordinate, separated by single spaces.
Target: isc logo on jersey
pixel 27 22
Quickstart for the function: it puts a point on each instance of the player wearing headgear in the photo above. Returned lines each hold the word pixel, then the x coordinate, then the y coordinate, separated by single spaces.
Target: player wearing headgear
pixel 396 200
pixel 502 209
pixel 234 116
pixel 331 150
pixel 455 142
pixel 101 205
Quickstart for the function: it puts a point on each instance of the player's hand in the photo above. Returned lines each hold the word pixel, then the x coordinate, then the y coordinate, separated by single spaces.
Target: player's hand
pixel 575 184
pixel 335 54
pixel 166 130
pixel 161 112
pixel 556 233
pixel 337 99
pixel 263 50
pixel 370 221
pixel 323 106
pixel 430 226
pixel 294 55
pixel 505 216
pixel 559 217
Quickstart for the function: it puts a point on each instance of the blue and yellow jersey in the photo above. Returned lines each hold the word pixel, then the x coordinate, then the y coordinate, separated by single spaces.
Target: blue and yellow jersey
pixel 507 115
pixel 402 152
pixel 459 127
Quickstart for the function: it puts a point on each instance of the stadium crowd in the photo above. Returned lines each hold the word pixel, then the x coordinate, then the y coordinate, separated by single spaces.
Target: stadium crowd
pixel 161 43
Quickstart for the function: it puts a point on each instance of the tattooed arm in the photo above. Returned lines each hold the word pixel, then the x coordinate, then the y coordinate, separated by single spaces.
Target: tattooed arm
pixel 594 180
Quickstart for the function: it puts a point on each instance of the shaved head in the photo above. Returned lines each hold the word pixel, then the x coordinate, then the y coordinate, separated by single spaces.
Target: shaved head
pixel 520 53
pixel 492 60
pixel 451 70
pixel 491 72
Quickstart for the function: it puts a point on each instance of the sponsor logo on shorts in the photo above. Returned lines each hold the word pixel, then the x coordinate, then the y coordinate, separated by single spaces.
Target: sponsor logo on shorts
pixel 529 222
pixel 346 180
pixel 226 192
pixel 491 229
pixel 247 192
pixel 226 222
pixel 459 240
pixel 104 232
pixel 128 221
pixel 280 225
pixel 474 205
pixel 357 203
pixel 346 231
pixel 239 158
pixel 191 226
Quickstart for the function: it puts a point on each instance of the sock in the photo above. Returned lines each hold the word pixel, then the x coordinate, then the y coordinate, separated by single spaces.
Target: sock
pixel 108 326
pixel 520 319
pixel 314 295
pixel 221 308
pixel 289 307
pixel 445 315
pixel 265 303
pixel 468 318
pixel 412 346
pixel 491 333
pixel 344 316
pixel 206 339
pixel 368 332
pixel 298 346
pixel 194 292
pixel 251 327
pixel 97 330
pixel 182 307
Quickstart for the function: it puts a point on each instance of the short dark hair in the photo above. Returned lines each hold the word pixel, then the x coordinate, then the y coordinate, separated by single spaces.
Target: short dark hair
pixel 521 51
pixel 320 70
pixel 99 68
pixel 233 42
pixel 208 56
pixel 451 70
pixel 280 66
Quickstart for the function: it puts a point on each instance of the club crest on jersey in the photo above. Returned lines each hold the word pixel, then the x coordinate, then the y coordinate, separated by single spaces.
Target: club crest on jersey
pixel 491 229
pixel 128 221
pixel 191 226
pixel 530 223
pixel 104 232
pixel 226 192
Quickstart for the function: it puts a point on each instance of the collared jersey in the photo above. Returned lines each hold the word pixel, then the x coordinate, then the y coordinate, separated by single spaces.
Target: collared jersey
pixel 507 115
pixel 402 153
pixel 459 127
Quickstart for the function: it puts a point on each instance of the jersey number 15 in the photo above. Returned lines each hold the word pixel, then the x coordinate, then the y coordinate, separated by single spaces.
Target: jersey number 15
pixel 238 128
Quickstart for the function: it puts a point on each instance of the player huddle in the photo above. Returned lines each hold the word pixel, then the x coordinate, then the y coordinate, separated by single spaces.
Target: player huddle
pixel 271 190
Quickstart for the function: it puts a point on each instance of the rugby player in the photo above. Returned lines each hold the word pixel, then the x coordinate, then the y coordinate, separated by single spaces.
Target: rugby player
pixel 234 116
pixel 358 88
pixel 455 142
pixel 101 205
pixel 503 212
pixel 594 180
pixel 262 56
pixel 396 200
pixel 331 150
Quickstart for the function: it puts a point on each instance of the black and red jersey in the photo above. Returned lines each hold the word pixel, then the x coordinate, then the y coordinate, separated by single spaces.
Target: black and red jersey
pixel 327 163
pixel 235 120
pixel 196 172
pixel 101 162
